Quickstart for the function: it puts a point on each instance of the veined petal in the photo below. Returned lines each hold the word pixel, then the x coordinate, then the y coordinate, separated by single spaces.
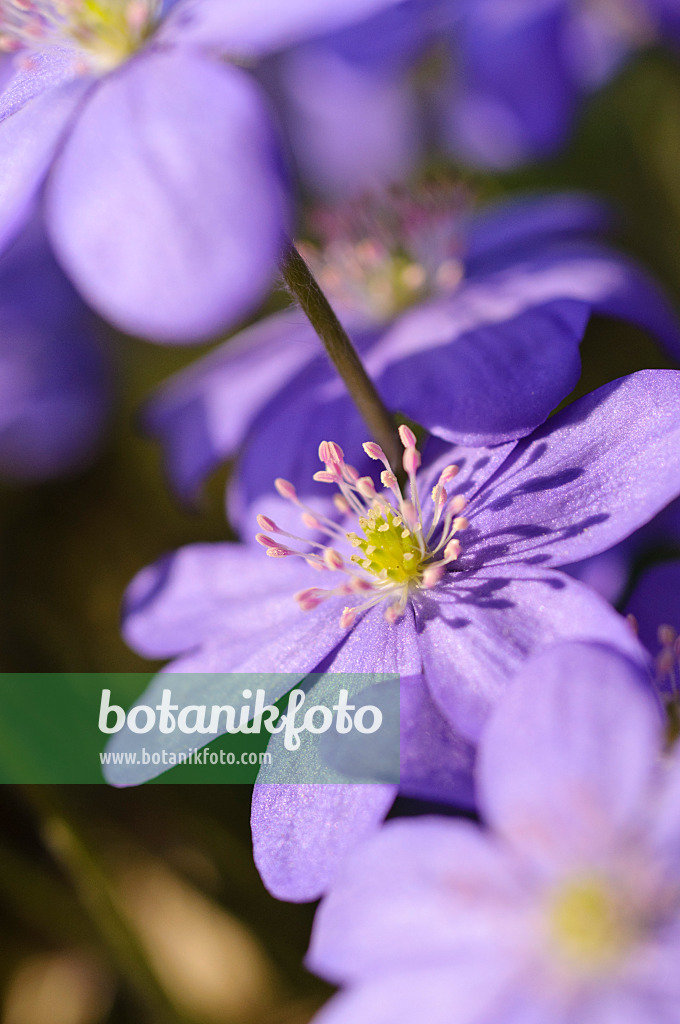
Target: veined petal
pixel 481 383
pixel 297 839
pixel 301 832
pixel 166 204
pixel 222 592
pixel 478 627
pixel 598 470
pixel 585 714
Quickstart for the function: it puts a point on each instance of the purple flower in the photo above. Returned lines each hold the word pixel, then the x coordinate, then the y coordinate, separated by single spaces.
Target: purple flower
pixel 55 376
pixel 488 351
pixel 594 473
pixel 565 908
pixel 512 78
pixel 155 159
pixel 523 69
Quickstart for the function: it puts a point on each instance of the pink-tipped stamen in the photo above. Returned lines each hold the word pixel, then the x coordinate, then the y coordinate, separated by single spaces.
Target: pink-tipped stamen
pixel 393 552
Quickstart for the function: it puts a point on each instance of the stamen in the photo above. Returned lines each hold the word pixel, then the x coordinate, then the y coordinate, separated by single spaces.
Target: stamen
pixel 392 554
pixel 106 32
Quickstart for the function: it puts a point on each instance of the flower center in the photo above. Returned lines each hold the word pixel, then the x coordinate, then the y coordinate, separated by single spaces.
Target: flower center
pixel 394 549
pixel 107 32
pixel 377 256
pixel 591 924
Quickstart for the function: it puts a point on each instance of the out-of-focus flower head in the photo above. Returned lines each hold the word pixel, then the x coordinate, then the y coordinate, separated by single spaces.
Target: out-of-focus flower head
pixel 56 380
pixel 565 908
pixel 468 322
pixel 454 580
pixel 494 82
pixel 160 176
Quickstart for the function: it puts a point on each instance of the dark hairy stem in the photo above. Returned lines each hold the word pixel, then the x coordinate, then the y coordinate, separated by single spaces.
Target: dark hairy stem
pixel 305 289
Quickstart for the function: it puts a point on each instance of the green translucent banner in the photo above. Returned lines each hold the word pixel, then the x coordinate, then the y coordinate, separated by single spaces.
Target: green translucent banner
pixel 127 729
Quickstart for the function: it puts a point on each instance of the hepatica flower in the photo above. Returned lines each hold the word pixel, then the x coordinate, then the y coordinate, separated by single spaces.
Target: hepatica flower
pixel 155 159
pixel 453 580
pixel 394 551
pixel 519 71
pixel 564 909
pixel 469 323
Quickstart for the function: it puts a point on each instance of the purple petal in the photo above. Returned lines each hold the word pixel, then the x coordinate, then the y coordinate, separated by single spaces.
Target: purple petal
pixel 203 413
pixel 500 230
pixel 436 763
pixel 173 146
pixel 251 28
pixel 469 367
pixel 482 384
pixel 302 832
pixel 593 474
pixel 55 377
pixel 498 116
pixel 418 894
pixel 338 153
pixel 221 594
pixel 607 573
pixel 589 271
pixel 632 295
pixel 655 602
pixel 566 761
pixel 36 108
pixel 228 611
pixel 478 627
pixel 426 994
pixel 297 841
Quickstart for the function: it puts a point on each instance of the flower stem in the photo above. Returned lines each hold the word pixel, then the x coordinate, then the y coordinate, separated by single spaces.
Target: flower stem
pixel 305 289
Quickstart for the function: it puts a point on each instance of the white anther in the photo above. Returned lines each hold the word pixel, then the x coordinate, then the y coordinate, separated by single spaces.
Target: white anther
pixel 411 461
pixel 333 558
pixel 407 437
pixel 348 618
pixel 374 451
pixel 285 489
pixel 265 523
pixel 452 550
pixel 432 576
pixel 366 487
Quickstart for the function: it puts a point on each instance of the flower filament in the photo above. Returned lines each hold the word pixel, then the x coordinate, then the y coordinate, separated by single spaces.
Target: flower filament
pixel 391 553
pixel 107 32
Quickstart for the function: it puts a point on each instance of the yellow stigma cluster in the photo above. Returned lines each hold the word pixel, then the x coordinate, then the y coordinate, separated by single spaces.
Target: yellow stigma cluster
pixel 106 32
pixel 397 553
pixel 591 924
pixel 390 550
